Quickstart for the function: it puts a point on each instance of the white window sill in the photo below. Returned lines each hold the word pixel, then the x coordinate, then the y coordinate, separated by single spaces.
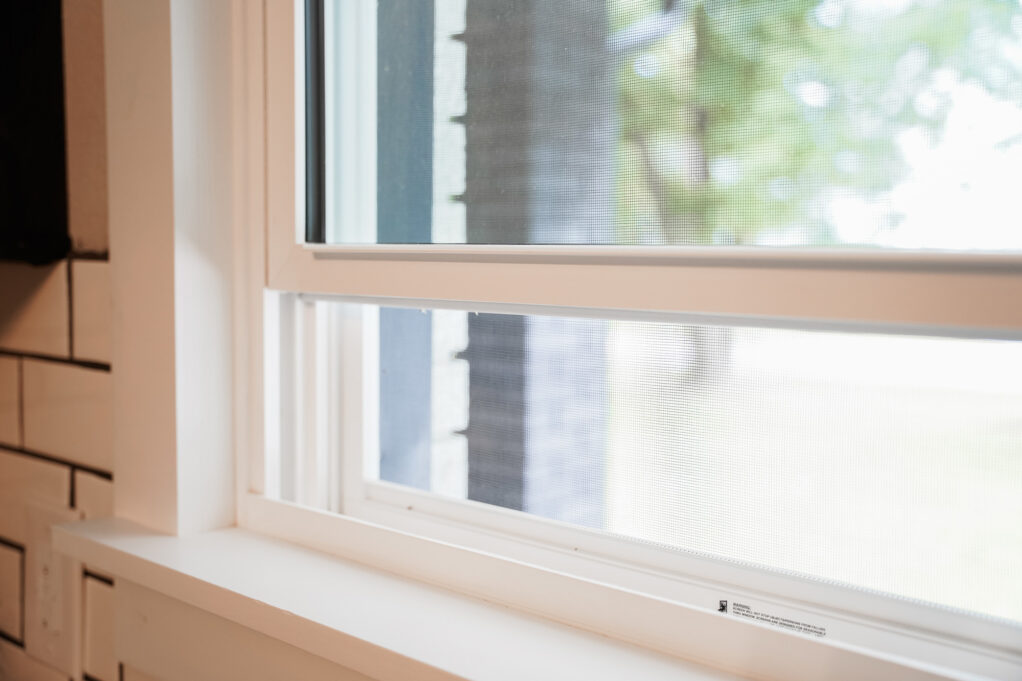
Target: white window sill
pixel 379 624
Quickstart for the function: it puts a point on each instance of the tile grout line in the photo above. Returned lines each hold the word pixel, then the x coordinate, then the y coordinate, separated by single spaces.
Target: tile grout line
pixel 95 472
pixel 23 569
pixel 11 544
pixel 11 639
pixel 83 363
pixel 89 574
pixel 21 594
pixel 70 309
pixel 98 472
pixel 21 402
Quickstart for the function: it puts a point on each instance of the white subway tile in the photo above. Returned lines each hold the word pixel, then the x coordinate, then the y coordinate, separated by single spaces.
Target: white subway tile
pixel 25 480
pixel 16 665
pixel 68 412
pixel 33 308
pixel 10 591
pixel 94 496
pixel 98 658
pixel 91 310
pixel 9 401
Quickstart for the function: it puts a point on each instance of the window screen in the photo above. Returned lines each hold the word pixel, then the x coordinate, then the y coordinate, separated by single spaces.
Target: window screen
pixel 891 463
pixel 885 462
pixel 868 123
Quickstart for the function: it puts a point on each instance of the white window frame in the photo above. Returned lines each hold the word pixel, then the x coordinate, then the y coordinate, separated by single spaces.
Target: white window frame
pixel 507 561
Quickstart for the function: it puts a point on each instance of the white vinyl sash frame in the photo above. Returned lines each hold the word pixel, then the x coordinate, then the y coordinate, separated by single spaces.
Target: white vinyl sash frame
pixel 558 571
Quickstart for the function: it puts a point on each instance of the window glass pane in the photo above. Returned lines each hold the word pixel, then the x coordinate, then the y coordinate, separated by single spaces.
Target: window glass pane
pixel 866 123
pixel 885 462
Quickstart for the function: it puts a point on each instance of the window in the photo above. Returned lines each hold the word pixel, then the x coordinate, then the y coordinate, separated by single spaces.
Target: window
pixel 709 302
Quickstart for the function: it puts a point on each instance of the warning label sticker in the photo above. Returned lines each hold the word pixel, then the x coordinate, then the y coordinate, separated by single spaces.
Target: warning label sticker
pixel 742 610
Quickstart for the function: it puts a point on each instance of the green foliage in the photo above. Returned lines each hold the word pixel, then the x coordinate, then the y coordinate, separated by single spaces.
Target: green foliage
pixel 738 123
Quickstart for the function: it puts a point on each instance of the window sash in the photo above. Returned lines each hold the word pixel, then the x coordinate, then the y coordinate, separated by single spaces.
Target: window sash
pixel 352 386
pixel 932 292
pixel 940 294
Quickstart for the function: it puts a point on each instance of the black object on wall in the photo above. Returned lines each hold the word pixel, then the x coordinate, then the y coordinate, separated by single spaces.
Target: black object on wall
pixel 33 171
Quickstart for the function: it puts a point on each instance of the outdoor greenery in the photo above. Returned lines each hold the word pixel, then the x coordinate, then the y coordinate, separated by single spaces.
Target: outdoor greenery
pixel 739 124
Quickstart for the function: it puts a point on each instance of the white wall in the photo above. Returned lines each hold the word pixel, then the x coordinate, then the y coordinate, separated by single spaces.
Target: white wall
pixel 60 620
pixel 56 618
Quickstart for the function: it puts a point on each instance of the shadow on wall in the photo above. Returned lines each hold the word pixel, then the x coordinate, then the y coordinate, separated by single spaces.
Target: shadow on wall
pixel 33 308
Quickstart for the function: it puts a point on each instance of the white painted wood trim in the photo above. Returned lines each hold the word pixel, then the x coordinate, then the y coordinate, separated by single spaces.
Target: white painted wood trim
pixel 282 161
pixel 170 76
pixel 579 588
pixel 857 616
pixel 394 628
pixel 174 641
pixel 749 256
pixel 856 293
pixel 141 203
pixel 249 132
pixel 203 74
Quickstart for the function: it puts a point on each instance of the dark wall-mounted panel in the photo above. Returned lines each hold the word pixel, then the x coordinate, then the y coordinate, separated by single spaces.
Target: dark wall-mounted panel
pixel 33 176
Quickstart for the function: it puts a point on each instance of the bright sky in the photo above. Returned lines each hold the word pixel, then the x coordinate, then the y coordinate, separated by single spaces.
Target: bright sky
pixel 962 191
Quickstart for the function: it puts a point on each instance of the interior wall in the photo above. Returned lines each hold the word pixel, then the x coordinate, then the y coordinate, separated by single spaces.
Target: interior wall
pixel 56 463
pixel 61 620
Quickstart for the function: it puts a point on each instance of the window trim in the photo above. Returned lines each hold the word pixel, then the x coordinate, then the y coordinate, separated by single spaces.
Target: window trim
pixel 198 572
pixel 906 292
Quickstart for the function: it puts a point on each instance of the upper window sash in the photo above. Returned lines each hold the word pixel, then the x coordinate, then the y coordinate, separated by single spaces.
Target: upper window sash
pixel 929 292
